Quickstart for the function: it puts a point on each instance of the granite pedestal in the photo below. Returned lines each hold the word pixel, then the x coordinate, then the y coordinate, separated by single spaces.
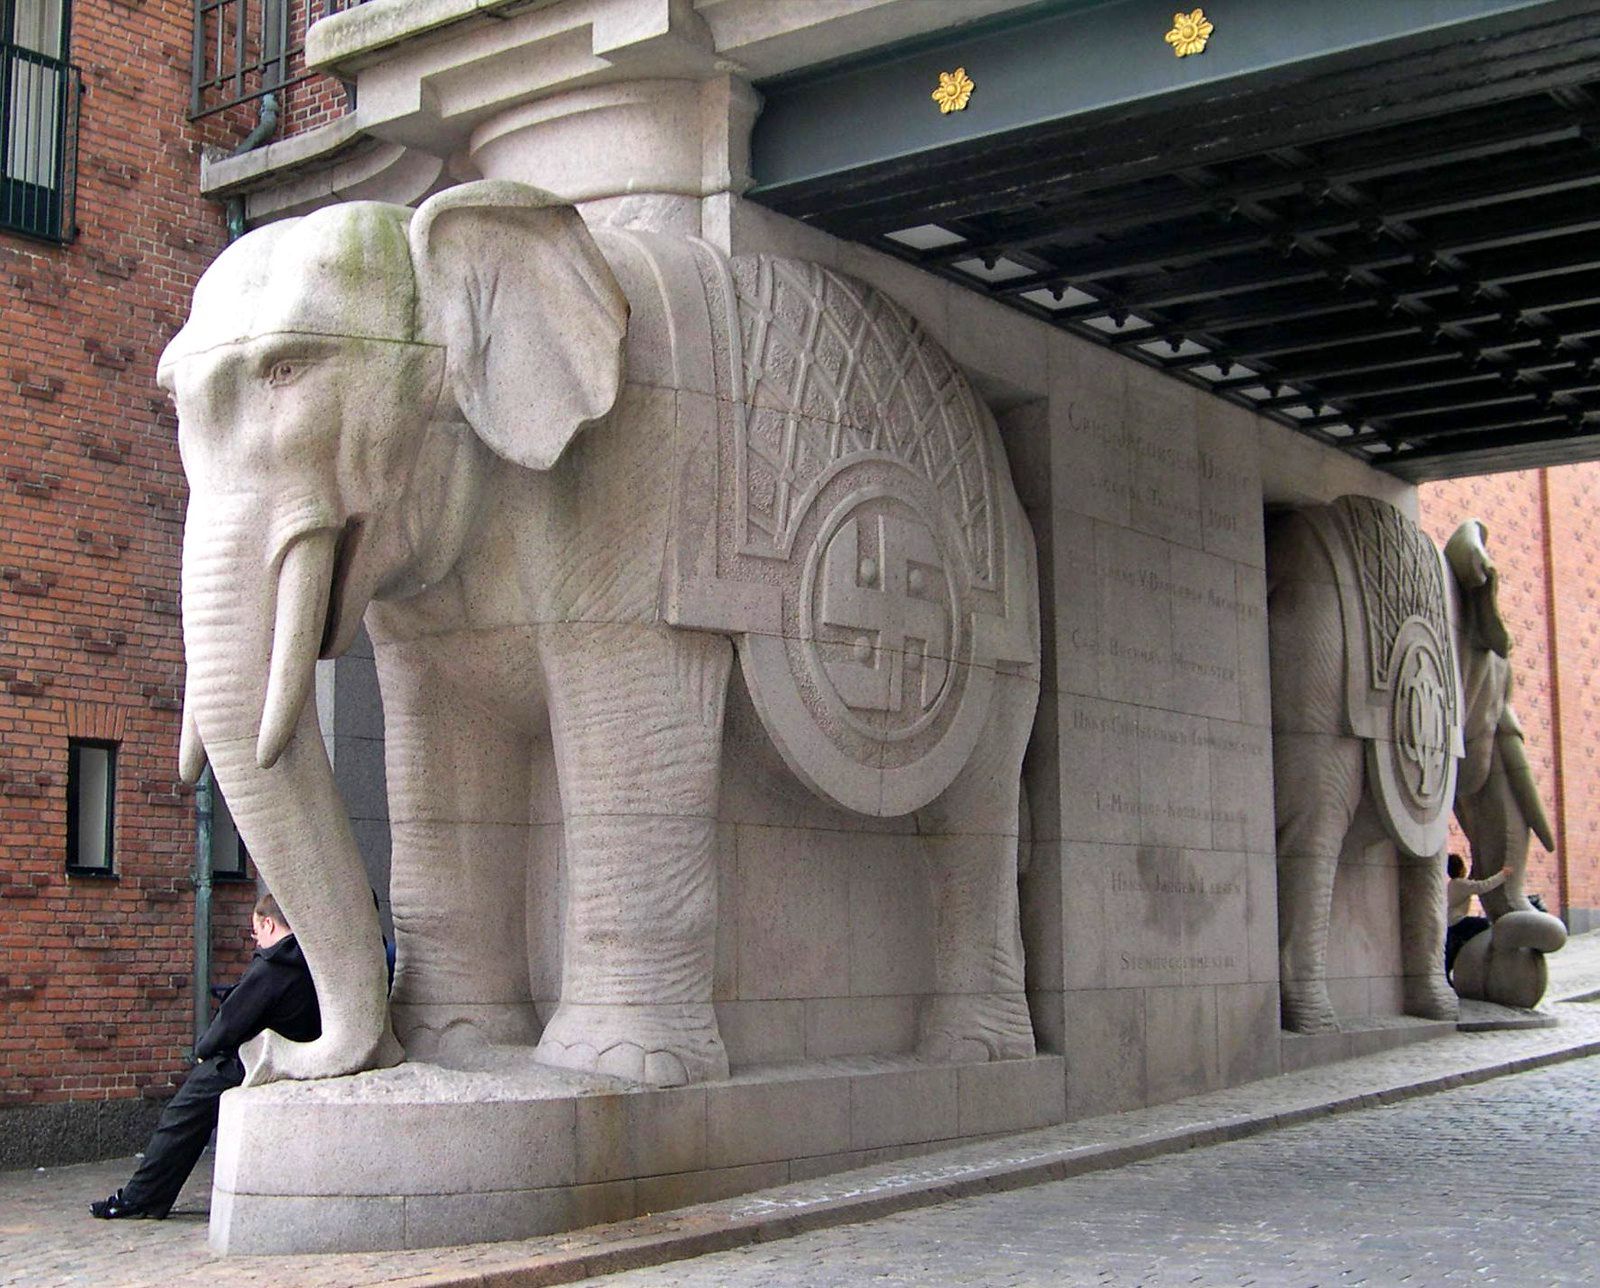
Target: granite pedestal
pixel 423 1156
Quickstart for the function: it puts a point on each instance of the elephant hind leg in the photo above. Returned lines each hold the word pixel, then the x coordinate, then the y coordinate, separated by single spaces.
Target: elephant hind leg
pixel 636 714
pixel 1318 787
pixel 979 1010
pixel 1425 990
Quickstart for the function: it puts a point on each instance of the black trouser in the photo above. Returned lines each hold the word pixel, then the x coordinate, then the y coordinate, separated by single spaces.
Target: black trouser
pixel 1458 934
pixel 181 1134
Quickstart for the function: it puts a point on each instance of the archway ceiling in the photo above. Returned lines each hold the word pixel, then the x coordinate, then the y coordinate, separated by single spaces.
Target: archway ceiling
pixel 1398 256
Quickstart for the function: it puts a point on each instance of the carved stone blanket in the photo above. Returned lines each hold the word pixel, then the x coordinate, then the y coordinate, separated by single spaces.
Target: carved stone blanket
pixel 845 510
pixel 1402 677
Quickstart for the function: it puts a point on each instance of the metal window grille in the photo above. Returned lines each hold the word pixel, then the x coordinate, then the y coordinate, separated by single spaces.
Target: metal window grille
pixel 242 50
pixel 39 93
pixel 246 49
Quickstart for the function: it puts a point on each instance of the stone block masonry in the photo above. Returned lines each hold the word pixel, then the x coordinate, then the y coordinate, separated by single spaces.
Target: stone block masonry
pixel 95 972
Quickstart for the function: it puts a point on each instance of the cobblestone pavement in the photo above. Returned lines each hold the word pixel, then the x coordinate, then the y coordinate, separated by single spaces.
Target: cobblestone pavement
pixel 1493 1183
pixel 1214 1211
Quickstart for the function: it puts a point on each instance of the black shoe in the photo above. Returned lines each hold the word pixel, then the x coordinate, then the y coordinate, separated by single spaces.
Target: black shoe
pixel 117 1208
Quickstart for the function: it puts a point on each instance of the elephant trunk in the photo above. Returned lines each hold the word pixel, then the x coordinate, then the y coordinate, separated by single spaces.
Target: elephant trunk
pixel 252 628
pixel 1506 964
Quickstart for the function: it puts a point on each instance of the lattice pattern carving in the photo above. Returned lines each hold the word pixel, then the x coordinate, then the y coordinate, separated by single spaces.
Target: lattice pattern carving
pixel 833 371
pixel 1400 576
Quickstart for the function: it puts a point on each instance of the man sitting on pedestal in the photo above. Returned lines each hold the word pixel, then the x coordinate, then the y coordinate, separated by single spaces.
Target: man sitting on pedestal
pixel 1459 891
pixel 276 993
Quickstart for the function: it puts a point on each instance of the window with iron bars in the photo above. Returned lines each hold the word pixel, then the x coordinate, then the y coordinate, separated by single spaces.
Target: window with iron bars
pixel 247 49
pixel 39 92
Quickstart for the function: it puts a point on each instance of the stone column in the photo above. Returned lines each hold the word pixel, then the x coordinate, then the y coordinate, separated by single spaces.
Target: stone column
pixel 642 154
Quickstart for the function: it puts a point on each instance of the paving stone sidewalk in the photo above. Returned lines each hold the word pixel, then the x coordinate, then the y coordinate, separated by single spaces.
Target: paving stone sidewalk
pixel 1486 1184
pixel 47 1237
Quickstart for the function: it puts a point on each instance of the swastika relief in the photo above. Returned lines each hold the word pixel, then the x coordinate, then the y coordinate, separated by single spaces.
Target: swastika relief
pixel 863 502
pixel 885 592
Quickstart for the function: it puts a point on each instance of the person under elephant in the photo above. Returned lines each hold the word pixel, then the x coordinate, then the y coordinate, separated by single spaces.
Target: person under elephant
pixel 1459 892
pixel 276 993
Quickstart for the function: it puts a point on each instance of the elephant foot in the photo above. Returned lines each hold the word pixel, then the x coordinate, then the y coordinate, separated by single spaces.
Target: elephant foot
pixel 1308 1009
pixel 1430 997
pixel 969 1028
pixel 439 1032
pixel 271 1057
pixel 661 1046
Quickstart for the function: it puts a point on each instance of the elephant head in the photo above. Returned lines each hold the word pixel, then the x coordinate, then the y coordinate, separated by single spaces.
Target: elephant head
pixel 340 383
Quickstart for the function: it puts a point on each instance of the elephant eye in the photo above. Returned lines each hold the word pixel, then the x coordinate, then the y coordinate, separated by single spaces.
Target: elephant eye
pixel 284 371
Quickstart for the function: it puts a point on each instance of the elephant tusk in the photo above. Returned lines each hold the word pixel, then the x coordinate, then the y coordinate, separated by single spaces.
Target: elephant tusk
pixel 304 581
pixel 1519 775
pixel 191 751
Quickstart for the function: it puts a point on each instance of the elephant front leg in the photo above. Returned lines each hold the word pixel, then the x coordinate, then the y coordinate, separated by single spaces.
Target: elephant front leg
pixel 458 802
pixel 1318 780
pixel 636 714
pixel 979 1010
pixel 1425 990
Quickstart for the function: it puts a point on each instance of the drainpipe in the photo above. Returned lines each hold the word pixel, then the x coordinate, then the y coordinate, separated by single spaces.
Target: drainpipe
pixel 266 127
pixel 205 790
pixel 1557 694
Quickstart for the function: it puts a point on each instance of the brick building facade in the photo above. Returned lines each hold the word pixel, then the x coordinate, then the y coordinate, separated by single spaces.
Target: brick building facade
pixel 96 1010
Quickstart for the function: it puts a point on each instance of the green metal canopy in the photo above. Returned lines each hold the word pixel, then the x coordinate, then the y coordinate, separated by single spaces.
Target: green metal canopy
pixel 1372 221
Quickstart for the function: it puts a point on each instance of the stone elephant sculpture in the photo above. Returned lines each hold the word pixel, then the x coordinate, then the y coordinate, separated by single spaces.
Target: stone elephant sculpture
pixel 1366 730
pixel 1497 800
pixel 574 480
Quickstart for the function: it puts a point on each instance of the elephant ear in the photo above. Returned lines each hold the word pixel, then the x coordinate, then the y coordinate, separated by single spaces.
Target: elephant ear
pixel 510 281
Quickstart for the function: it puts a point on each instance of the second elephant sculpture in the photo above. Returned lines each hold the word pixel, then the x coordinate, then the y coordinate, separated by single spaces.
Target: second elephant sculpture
pixel 1497 800
pixel 566 476
pixel 1366 735
pixel 1391 704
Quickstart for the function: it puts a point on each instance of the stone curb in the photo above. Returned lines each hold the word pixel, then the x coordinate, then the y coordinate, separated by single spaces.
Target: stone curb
pixel 711 1231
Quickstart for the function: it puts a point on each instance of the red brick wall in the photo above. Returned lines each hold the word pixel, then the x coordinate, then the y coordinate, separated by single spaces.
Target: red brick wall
pixel 1575 548
pixel 1545 539
pixel 94 973
pixel 317 99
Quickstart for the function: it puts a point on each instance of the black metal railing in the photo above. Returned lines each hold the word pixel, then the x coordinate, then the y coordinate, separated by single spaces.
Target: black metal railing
pixel 242 50
pixel 38 142
pixel 246 49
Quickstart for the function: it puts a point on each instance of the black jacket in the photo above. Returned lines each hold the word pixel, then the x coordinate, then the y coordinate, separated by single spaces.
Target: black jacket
pixel 276 993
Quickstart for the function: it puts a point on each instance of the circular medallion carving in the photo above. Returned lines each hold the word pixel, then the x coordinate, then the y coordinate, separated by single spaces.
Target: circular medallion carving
pixel 1413 768
pixel 1421 721
pixel 873 691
